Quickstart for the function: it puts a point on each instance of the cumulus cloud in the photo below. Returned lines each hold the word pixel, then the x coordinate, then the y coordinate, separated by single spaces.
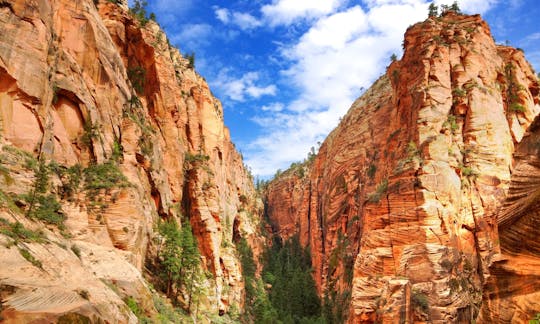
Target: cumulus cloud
pixel 239 89
pixel 192 35
pixel 284 12
pixel 340 54
pixel 244 21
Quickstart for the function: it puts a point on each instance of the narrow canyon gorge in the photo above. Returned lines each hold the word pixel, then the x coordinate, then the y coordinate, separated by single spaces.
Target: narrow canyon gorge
pixel 124 200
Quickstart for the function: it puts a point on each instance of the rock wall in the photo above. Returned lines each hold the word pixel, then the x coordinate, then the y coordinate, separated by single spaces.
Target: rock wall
pixel 84 83
pixel 421 204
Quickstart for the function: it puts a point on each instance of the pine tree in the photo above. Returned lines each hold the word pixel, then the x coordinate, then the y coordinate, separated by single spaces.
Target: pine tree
pixel 455 7
pixel 433 10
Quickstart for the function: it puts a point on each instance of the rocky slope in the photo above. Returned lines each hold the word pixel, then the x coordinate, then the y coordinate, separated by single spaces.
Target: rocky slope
pixel 421 206
pixel 101 115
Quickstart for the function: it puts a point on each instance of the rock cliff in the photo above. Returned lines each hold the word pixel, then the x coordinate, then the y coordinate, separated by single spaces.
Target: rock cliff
pixel 422 205
pixel 106 131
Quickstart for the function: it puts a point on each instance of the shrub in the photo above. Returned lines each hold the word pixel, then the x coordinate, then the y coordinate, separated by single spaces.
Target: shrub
pixel 381 189
pixel 30 258
pixel 517 107
pixel 84 294
pixel 191 60
pixel 104 176
pixel 137 77
pixel 371 171
pixel 451 123
pixel 420 300
pixel 17 232
pixel 91 132
pixel 76 250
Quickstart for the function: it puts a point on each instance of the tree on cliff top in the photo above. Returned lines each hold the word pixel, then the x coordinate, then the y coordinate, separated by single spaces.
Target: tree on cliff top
pixel 433 10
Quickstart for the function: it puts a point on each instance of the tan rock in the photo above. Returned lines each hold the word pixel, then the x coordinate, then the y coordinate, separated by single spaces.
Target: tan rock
pixel 411 184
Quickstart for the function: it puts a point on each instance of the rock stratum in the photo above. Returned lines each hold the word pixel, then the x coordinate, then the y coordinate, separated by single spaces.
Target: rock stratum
pixel 422 205
pixel 107 127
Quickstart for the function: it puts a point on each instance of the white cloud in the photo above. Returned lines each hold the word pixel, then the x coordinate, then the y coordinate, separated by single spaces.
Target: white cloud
pixel 239 89
pixel 284 12
pixel 471 6
pixel 339 55
pixel 192 35
pixel 273 107
pixel 222 15
pixel 244 21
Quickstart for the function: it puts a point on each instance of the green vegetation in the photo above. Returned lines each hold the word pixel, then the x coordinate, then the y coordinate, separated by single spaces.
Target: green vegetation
pixel 512 90
pixel 43 206
pixel 393 57
pixel 179 260
pixel 433 10
pixel 137 76
pixel 76 250
pixel 382 187
pixel 536 319
pixel 191 60
pixel 138 11
pixel 372 169
pixel 516 107
pixel 104 176
pixel 193 158
pixel 293 298
pixel 458 92
pixel 84 294
pixel 167 313
pixel 91 132
pixel 136 309
pixel 30 258
pixel 451 123
pixel 420 301
pixel 18 232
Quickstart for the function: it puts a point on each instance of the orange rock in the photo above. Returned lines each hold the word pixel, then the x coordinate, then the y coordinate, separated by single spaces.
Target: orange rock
pixel 402 202
pixel 80 83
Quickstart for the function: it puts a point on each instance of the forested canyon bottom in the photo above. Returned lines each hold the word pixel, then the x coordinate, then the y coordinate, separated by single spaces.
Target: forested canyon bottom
pixel 123 199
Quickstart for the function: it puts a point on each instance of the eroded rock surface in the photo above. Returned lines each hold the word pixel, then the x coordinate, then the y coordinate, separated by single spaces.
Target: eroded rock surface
pixel 83 83
pixel 422 203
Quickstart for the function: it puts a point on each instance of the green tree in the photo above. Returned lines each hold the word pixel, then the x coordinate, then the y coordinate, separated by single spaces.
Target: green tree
pixel 455 7
pixel 180 260
pixel 139 11
pixel 433 10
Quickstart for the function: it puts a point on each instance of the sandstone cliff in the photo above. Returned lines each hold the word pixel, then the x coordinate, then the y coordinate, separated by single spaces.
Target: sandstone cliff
pixel 101 115
pixel 422 205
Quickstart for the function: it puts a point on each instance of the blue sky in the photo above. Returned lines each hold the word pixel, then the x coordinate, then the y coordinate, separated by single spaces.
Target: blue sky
pixel 287 70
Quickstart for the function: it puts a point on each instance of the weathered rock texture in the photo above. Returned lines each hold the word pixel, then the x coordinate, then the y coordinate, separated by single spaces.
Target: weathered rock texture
pixel 81 82
pixel 422 205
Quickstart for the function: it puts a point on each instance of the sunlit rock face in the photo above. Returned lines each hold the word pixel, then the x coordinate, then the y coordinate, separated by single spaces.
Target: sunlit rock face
pixel 421 206
pixel 82 82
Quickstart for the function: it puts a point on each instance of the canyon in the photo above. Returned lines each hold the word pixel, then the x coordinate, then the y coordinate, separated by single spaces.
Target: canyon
pixel 420 207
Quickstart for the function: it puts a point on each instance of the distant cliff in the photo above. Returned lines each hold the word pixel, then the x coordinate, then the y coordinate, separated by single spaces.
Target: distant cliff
pixel 106 133
pixel 422 205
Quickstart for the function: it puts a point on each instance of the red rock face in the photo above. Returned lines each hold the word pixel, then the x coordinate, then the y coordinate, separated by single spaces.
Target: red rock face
pixel 79 81
pixel 402 204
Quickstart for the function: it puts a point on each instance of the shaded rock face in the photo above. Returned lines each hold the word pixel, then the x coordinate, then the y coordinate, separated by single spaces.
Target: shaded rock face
pixel 82 84
pixel 421 205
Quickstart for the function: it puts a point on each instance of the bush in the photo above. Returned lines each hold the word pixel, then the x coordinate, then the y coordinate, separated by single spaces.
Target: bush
pixel 420 300
pixel 137 76
pixel 104 176
pixel 18 232
pixel 381 189
pixel 76 250
pixel 30 258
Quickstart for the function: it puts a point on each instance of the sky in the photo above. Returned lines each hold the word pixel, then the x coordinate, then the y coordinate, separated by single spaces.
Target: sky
pixel 287 70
